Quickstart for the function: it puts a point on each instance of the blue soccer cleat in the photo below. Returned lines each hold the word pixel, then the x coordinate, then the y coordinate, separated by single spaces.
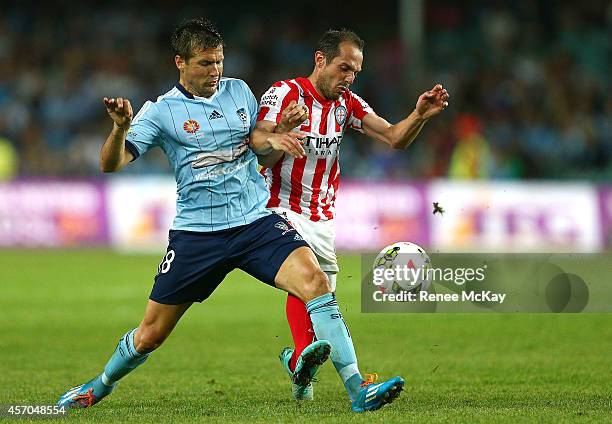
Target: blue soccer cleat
pixel 306 367
pixel 85 395
pixel 298 392
pixel 374 396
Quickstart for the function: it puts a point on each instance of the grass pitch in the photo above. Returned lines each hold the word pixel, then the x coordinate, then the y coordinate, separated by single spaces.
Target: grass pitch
pixel 62 312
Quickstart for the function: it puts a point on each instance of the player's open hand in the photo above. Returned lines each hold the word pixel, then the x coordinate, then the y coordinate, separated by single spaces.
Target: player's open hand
pixel 432 102
pixel 120 110
pixel 293 116
pixel 290 143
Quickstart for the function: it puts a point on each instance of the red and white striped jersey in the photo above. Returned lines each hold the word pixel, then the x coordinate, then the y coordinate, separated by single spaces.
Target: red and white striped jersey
pixel 308 186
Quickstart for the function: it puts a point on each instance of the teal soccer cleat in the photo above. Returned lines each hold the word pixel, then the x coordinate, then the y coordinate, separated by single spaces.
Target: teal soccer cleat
pixel 374 396
pixel 86 395
pixel 306 367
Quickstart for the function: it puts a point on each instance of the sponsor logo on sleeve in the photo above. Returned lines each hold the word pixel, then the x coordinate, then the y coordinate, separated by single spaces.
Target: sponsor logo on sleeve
pixel 269 99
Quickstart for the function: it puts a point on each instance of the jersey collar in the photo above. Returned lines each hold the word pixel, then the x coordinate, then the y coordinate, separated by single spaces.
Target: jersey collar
pixel 183 90
pixel 187 94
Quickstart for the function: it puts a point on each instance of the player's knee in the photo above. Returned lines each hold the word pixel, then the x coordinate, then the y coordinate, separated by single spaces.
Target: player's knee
pixel 331 277
pixel 314 284
pixel 150 339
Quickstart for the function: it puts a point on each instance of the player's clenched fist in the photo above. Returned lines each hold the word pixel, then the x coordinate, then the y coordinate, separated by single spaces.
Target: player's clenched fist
pixel 289 143
pixel 120 110
pixel 293 116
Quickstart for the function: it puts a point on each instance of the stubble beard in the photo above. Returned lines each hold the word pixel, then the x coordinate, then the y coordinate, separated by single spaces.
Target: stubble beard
pixel 323 86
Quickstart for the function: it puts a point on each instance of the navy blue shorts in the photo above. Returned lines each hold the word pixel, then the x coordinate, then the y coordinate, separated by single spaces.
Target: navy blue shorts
pixel 195 263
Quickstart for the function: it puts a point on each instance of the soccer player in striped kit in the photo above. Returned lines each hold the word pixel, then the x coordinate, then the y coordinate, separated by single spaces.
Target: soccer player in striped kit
pixel 304 177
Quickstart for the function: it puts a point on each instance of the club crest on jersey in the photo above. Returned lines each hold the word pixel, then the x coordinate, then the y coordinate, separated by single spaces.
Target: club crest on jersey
pixel 340 115
pixel 191 126
pixel 242 115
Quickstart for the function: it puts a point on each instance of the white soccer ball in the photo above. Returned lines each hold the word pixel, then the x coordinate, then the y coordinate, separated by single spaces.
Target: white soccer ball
pixel 402 266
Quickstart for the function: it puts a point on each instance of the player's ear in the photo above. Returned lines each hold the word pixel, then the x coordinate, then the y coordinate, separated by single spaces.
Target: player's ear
pixel 320 60
pixel 179 62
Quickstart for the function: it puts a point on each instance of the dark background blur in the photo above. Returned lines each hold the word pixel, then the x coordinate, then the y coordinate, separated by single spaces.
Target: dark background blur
pixel 529 80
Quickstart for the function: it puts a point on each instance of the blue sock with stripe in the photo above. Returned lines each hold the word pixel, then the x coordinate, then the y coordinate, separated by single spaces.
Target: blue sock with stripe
pixel 329 325
pixel 124 360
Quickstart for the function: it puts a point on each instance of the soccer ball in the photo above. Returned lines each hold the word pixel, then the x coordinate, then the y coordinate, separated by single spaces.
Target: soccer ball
pixel 402 266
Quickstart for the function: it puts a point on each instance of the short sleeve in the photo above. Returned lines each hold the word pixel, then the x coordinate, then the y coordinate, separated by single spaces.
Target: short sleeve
pixel 275 100
pixel 144 133
pixel 358 109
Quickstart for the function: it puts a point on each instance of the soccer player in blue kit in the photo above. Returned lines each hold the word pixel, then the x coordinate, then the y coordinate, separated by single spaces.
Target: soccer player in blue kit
pixel 203 125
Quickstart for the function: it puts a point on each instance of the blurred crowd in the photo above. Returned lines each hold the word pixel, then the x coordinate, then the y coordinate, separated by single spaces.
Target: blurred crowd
pixel 529 81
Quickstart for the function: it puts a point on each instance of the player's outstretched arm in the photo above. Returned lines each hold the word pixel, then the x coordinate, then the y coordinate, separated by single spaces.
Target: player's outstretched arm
pixel 114 156
pixel 270 149
pixel 400 135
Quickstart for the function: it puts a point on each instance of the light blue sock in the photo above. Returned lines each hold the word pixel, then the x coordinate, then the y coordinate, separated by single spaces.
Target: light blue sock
pixel 329 325
pixel 124 359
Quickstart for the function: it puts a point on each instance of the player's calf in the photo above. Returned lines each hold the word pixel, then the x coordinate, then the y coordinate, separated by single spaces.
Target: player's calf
pixel 147 339
pixel 157 324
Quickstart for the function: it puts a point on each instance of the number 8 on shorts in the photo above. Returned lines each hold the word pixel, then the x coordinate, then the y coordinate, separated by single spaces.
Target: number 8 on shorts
pixel 164 266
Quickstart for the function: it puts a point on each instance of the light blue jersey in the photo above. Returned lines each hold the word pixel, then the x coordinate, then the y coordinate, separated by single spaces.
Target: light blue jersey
pixel 205 139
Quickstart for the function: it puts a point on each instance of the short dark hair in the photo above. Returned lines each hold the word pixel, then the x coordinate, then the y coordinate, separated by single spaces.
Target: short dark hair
pixel 329 44
pixel 192 34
